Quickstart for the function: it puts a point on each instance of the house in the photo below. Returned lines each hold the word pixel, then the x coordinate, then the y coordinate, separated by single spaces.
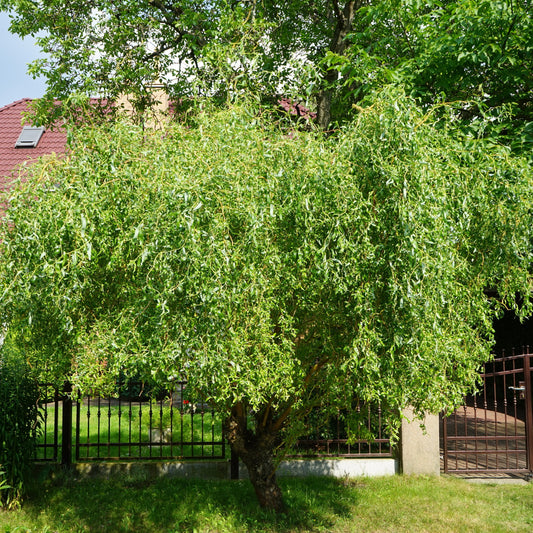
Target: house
pixel 22 143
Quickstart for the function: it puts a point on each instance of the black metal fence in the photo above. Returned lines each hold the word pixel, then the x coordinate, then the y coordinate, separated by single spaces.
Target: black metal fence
pixel 331 439
pixel 130 427
pixel 49 447
pixel 135 427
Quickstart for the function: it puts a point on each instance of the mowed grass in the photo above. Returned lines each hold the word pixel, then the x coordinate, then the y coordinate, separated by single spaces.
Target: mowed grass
pixel 137 504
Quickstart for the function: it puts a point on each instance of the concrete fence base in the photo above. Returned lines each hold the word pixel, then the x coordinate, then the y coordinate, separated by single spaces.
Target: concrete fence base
pixel 368 467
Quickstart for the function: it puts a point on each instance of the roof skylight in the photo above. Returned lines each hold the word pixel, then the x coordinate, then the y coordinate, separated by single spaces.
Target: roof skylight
pixel 29 137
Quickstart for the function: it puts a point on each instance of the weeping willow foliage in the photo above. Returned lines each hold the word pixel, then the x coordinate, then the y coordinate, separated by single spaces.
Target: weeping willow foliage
pixel 275 270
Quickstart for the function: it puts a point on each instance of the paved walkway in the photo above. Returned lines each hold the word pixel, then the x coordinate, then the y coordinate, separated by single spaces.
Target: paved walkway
pixel 493 479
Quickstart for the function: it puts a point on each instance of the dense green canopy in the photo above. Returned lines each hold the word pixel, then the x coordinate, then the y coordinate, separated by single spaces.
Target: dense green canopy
pixel 479 52
pixel 103 48
pixel 215 246
pixel 277 270
pixel 327 52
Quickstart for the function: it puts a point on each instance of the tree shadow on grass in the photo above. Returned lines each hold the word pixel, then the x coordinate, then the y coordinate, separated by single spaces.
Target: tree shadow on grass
pixel 180 505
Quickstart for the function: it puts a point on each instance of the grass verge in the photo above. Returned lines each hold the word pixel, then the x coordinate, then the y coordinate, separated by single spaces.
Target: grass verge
pixel 137 504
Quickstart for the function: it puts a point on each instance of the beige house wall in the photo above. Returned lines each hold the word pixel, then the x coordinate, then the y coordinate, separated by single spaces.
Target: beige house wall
pixel 155 117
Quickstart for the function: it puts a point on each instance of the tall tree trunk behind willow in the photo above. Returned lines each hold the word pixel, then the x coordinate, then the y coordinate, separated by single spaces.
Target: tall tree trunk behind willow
pixel 344 17
pixel 256 450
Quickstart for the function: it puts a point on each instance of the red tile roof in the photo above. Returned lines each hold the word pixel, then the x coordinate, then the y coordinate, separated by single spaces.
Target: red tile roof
pixel 296 109
pixel 11 158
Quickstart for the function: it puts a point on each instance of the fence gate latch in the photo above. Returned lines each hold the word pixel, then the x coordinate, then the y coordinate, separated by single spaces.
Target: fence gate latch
pixel 521 389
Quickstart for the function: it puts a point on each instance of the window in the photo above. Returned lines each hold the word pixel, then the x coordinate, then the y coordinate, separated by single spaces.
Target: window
pixel 29 137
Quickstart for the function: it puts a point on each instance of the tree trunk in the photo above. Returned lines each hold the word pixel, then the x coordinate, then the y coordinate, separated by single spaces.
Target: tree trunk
pixel 262 472
pixel 256 450
pixel 323 107
pixel 343 26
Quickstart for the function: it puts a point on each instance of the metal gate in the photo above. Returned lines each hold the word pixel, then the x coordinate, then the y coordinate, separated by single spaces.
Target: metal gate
pixel 493 431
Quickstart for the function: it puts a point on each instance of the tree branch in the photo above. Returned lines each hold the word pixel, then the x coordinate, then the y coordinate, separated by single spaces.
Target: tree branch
pixel 313 371
pixel 337 45
pixel 176 11
pixel 337 9
pixel 161 49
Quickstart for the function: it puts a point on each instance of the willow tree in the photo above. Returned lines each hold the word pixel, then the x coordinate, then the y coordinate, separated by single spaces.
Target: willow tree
pixel 279 273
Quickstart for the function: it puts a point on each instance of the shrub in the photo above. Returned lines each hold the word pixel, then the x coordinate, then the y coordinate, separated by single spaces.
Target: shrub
pixel 19 422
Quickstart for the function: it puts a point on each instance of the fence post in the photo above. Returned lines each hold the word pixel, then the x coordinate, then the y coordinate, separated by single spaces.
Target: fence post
pixel 528 397
pixel 66 428
pixel 420 450
pixel 234 465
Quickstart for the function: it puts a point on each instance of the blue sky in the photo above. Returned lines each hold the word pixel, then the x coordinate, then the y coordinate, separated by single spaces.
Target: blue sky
pixel 16 53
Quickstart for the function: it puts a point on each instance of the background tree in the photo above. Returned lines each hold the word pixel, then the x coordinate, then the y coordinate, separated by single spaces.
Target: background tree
pixel 328 51
pixel 277 273
pixel 479 53
pixel 110 48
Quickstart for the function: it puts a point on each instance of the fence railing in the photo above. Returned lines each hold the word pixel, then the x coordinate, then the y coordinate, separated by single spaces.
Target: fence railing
pixel 174 428
pixel 48 447
pixel 331 439
pixel 129 427
pixel 134 427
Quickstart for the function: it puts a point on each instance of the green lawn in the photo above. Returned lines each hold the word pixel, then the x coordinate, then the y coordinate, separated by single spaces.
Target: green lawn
pixel 393 504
